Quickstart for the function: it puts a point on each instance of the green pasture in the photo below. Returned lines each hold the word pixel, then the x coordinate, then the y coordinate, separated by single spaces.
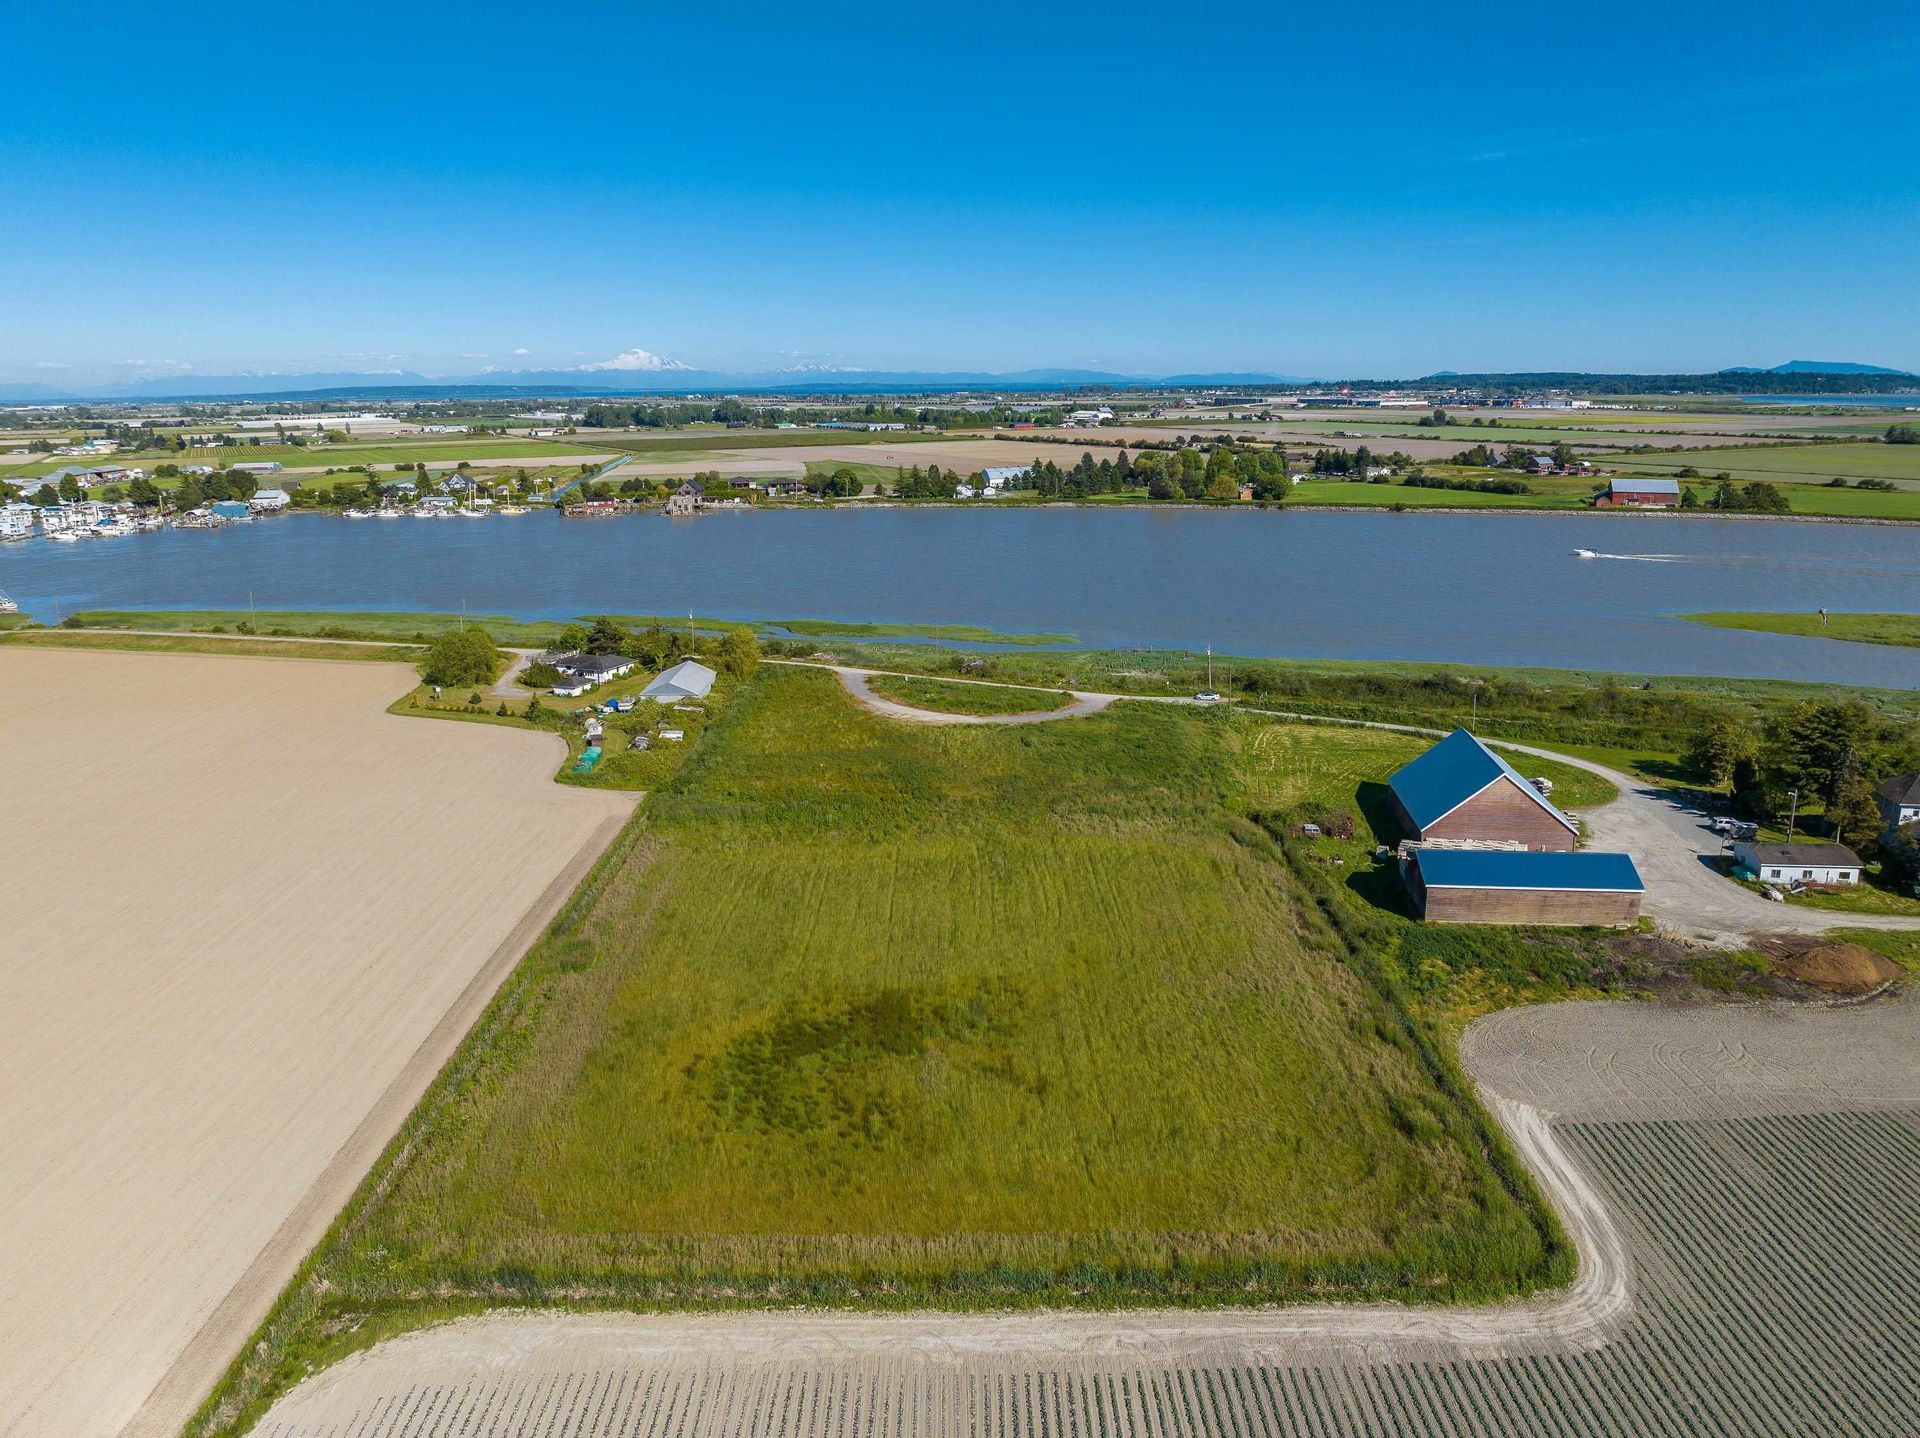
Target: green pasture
pixel 875 1015
pixel 1897 629
pixel 1789 462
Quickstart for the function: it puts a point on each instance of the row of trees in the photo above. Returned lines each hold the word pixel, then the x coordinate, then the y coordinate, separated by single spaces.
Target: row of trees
pixel 1831 753
pixel 736 652
pixel 1515 456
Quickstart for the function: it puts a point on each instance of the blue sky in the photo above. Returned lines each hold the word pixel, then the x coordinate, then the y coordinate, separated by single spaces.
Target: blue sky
pixel 1306 189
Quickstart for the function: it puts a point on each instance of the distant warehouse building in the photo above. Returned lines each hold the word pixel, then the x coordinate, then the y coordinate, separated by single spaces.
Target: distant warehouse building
pixel 1511 886
pixel 1460 789
pixel 1641 494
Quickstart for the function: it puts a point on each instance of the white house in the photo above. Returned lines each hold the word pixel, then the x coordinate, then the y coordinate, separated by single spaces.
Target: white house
pixel 1799 863
pixel 1899 801
pixel 17 520
pixel 270 499
pixel 689 679
pixel 1003 477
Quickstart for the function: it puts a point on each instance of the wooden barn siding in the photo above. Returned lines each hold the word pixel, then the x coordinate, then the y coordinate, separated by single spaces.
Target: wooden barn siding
pixel 1501 811
pixel 1528 906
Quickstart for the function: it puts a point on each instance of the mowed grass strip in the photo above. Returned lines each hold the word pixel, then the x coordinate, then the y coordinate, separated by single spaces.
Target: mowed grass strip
pixel 883 1015
pixel 947 696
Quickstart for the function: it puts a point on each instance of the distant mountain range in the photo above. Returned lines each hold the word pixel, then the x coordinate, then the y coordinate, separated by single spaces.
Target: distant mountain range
pixel 622 376
pixel 1817 367
pixel 638 372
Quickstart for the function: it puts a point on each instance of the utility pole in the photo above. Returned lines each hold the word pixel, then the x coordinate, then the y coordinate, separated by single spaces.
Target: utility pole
pixel 251 616
pixel 1793 811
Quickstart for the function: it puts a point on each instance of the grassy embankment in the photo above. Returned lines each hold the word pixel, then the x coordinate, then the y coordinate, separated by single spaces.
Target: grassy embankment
pixel 948 696
pixel 880 1015
pixel 416 625
pixel 1897 629
pixel 204 644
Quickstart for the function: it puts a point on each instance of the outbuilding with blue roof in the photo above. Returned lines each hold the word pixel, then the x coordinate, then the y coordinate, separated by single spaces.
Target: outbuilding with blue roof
pixel 1461 789
pixel 1515 886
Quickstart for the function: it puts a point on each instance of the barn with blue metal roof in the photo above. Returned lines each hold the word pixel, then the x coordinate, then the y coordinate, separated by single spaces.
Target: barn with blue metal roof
pixel 1516 886
pixel 1461 789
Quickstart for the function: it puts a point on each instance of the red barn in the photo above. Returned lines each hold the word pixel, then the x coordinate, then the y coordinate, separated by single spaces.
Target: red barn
pixel 1643 493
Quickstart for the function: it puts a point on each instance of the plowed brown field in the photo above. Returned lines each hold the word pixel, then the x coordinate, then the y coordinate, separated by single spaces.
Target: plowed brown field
pixel 245 916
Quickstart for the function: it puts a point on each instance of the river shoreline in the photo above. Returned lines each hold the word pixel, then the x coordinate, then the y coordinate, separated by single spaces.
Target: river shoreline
pixel 1322 583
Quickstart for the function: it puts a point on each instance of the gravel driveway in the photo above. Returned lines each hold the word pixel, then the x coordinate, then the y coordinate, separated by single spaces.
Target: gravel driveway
pixel 1675 852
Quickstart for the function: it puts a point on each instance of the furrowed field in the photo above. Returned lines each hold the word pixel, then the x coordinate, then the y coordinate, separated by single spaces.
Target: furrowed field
pixel 885 1015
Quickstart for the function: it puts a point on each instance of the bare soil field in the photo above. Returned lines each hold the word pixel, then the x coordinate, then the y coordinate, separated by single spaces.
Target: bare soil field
pixel 247 914
pixel 1758 1167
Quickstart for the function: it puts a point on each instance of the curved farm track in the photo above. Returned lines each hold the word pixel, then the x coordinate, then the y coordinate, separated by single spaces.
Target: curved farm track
pixel 1744 1183
pixel 856 682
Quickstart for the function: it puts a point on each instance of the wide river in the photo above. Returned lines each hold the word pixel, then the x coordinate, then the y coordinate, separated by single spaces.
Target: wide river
pixel 1477 588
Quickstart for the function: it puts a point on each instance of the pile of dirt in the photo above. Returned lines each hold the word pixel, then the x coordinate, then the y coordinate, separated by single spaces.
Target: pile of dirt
pixel 1836 968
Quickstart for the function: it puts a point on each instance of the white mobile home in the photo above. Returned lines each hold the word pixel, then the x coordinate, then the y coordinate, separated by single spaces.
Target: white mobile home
pixel 1799 863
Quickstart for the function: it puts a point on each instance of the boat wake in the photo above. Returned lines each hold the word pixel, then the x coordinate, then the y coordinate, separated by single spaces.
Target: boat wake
pixel 1645 558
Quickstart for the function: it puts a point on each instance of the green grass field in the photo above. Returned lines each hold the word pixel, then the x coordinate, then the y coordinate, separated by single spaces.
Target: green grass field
pixel 867 474
pixel 881 1015
pixel 674 444
pixel 948 697
pixel 1897 629
pixel 481 452
pixel 1289 765
pixel 1786 462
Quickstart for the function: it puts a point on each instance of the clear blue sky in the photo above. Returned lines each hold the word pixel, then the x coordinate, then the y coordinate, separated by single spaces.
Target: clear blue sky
pixel 1311 189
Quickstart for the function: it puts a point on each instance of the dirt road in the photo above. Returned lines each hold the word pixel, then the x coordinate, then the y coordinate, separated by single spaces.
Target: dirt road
pixel 246 917
pixel 855 682
pixel 1675 852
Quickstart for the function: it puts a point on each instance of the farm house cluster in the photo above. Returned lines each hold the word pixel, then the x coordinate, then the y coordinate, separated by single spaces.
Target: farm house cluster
pixel 1487 846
